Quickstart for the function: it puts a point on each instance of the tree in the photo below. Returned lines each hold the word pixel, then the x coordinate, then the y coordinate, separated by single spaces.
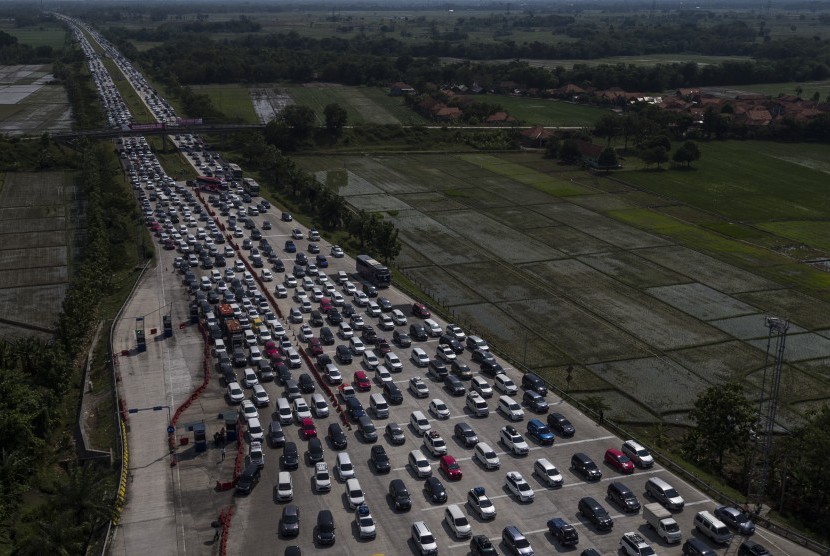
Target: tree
pixel 336 118
pixel 552 148
pixel 687 154
pixel 608 159
pixel 608 126
pixel 386 241
pixel 569 152
pixel 723 420
pixel 655 155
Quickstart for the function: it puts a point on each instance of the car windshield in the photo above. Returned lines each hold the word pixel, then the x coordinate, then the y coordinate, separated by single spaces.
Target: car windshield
pixel 427 539
pixel 524 486
pixel 357 493
pixel 323 476
pixel 485 502
pixel 366 521
pixel 522 543
pixel 490 455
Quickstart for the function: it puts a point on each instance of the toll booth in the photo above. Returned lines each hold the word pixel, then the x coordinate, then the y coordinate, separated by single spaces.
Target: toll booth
pixel 199 437
pixel 230 418
pixel 140 339
pixel 168 325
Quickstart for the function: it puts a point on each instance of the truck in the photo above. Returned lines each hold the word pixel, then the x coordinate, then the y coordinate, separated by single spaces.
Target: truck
pixel 236 334
pixel 661 520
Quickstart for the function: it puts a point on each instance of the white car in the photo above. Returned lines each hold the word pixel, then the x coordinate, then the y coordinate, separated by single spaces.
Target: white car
pixel 393 362
pixel 250 378
pixel 354 493
pixel 420 464
pixel 260 396
pixel 321 408
pixel 481 503
pixel 356 345
pixel 519 487
pixel 337 298
pixel 486 455
pixel 306 333
pixel 456 331
pixel 420 424
pixel 280 291
pixel 346 331
pixel 361 299
pixel 337 252
pixel 248 410
pixel 370 360
pixel 373 310
pixel 398 317
pixel 235 393
pixel 266 275
pixel 285 487
pixel 481 386
pixel 506 386
pixel 385 323
pixel 322 478
pixel 513 441
pixel 301 410
pixel 349 288
pixel 418 387
pixel 436 445
pixel 439 408
pixel 382 375
pixel 290 281
pixel 365 523
pixel 419 357
pixel 446 353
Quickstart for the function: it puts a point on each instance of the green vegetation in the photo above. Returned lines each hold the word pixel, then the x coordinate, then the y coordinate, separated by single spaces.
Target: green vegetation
pixel 233 101
pixel 42 35
pixel 548 112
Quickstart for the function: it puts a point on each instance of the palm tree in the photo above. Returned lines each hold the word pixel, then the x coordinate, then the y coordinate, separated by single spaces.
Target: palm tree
pixel 84 493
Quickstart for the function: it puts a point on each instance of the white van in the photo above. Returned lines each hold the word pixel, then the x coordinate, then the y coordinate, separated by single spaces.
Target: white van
pixel 432 328
pixel 486 455
pixel 319 405
pixel 219 347
pixel 712 527
pixel 345 469
pixel 458 522
pixel 547 473
pixel 250 338
pixel 284 411
pixel 664 493
pixel 420 424
pixel 255 431
pixel 379 406
pixel 638 454
pixel 510 408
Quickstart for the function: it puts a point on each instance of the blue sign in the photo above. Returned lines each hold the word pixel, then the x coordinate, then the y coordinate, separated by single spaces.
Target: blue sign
pixel 171 429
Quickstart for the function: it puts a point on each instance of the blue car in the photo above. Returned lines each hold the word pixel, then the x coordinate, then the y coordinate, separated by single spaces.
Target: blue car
pixel 290 247
pixel 322 262
pixel 540 432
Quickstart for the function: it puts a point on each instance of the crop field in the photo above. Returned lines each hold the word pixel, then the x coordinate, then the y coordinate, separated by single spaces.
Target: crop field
pixel 34 271
pixel 628 278
pixel 547 112
pixel 30 103
pixel 39 36
pixel 232 100
pixel 363 104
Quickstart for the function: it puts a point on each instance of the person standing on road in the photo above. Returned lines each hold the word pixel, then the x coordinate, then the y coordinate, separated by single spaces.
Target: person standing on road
pixel 223 453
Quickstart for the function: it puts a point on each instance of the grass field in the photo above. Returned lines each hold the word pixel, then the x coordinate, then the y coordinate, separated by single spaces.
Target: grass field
pixel 40 36
pixel 533 111
pixel 232 100
pixel 809 88
pixel 362 104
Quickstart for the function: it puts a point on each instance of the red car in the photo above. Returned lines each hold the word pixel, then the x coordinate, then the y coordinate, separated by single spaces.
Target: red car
pixel 307 429
pixel 325 305
pixel 420 310
pixel 271 351
pixel 619 461
pixel 362 382
pixel 315 346
pixel 451 468
pixel 383 347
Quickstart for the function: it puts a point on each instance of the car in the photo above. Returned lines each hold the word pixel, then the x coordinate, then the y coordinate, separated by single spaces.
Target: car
pixel 392 393
pixel 290 521
pixel 540 432
pixel 343 354
pixel 513 441
pixel 735 519
pixel 354 408
pixel 619 461
pixel 382 375
pixel 356 345
pixel 370 359
pixel 435 443
pixel 365 523
pixel 290 247
pixel 290 458
pixel 275 434
pixel 326 336
pixel 622 496
pixel 393 362
pixel 354 493
pixel 260 396
pixel 481 503
pixel 515 541
pixel 401 499
pixel 480 545
pixel 594 512
pixel 510 408
pixel 561 425
pixel 438 408
pixel 420 310
pixel 255 454
pixel 519 487
pixel 307 428
pixel 398 317
pixel 480 385
pixel 333 375
pixel 632 544
pixel 284 489
pixel 454 386
pixel 324 532
pixel 461 370
pixel 451 342
pixel 248 410
pixel 437 369
pixel 483 355
pixel 380 459
pixel 322 478
pixel 435 490
pixel 235 393
pixel 295 316
pixel 445 353
pixel 563 532
pixel 505 385
pixel 449 465
pixel 337 252
pixel 361 381
pixel 301 410
pixel 319 405
pixel 752 548
pixel 286 217
pixel 402 339
pixel 486 456
pixel 345 330
pixel 465 434
pixel 423 539
pixel 346 391
pixel 360 299
pixel 419 357
pixel 419 464
pixel 297 233
pixel 337 437
pixel 306 383
pixel 535 402
pixel 418 387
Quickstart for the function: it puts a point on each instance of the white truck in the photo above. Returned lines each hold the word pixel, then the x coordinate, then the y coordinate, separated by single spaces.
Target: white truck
pixel 661 520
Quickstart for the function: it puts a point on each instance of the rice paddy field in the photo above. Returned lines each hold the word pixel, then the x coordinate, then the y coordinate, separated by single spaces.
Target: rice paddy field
pixel 652 285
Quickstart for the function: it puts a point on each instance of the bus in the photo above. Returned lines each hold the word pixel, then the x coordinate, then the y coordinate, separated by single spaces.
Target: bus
pixel 207 183
pixel 251 186
pixel 373 272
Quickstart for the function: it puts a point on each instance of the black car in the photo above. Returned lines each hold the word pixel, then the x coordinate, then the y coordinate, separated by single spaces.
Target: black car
pixel 380 459
pixel 313 248
pixel 465 433
pixel 282 372
pixel 347 310
pixel 395 434
pixel 622 496
pixel 437 369
pixel 248 479
pixel 315 450
pixel 563 531
pixel 322 360
pixel 338 437
pixel 369 335
pixel 343 354
pixel 454 386
pixel 334 317
pixel 306 383
pixel 290 458
pixel 324 532
pixel 392 393
pixel 385 304
pixel 355 409
pixel 752 548
pixel 594 512
pixel 290 521
pixel 491 368
pixel 400 495
pixel 480 545
pixel 315 318
pixel 286 217
pixel 481 355
pixel 561 425
pixel 326 336
pixel 418 332
pixel 535 402
pixel 435 490
pixel 401 338
pixel 462 370
pixel 450 340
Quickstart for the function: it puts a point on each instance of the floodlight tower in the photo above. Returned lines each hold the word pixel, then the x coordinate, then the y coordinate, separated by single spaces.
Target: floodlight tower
pixel 767 410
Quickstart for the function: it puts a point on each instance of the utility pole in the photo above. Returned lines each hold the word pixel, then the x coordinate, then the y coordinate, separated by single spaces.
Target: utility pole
pixel 767 410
